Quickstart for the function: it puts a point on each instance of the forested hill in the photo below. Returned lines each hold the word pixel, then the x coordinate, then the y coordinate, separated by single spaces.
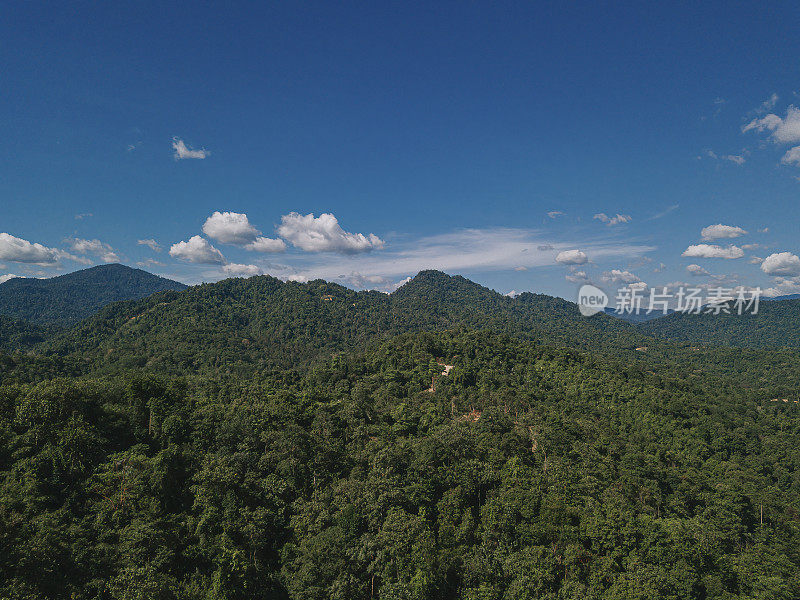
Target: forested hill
pixel 262 322
pixel 527 473
pixel 67 299
pixel 776 324
pixel 18 335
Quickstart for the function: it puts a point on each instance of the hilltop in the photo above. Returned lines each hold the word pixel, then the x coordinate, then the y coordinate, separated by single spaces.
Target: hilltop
pixel 68 299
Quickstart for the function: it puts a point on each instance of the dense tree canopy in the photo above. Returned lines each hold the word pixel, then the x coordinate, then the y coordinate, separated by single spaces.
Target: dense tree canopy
pixel 253 439
pixel 69 298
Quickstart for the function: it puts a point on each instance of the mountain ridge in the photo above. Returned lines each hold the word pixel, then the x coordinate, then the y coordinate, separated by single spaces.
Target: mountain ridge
pixel 67 299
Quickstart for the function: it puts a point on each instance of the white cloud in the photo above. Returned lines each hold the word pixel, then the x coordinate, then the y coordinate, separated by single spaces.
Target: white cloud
pixel 739 159
pixel 571 257
pixel 768 104
pixel 323 234
pixel 792 156
pixel 236 229
pixel 264 244
pixel 553 214
pixel 768 123
pixel 719 231
pixel 239 270
pixel 466 251
pixel 15 249
pixel 150 243
pixel 95 248
pixel 697 271
pixel 149 263
pixel 713 251
pixel 616 220
pixel 358 280
pixel 182 151
pixel 4 278
pixel 619 276
pixel 197 250
pixel 784 130
pixel 230 228
pixel 755 260
pixel 577 277
pixel 664 212
pixel 781 263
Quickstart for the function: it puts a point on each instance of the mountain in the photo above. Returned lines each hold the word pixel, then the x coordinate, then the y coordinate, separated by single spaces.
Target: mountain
pixel 785 297
pixel 262 322
pixel 70 298
pixel 776 324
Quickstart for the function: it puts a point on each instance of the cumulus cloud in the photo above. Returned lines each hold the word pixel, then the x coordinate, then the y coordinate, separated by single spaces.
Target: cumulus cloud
pixel 182 151
pixel 264 244
pixel 239 270
pixel 553 214
pixel 697 271
pixel 236 229
pixel 150 243
pixel 719 231
pixel 781 263
pixel 324 234
pixel 95 248
pixel 783 130
pixel 230 228
pixel 572 257
pixel 713 251
pixel 197 250
pixel 616 220
pixel 6 277
pixel 15 249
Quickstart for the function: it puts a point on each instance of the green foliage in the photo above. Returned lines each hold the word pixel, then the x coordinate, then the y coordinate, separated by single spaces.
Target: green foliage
pixel 67 299
pixel 269 440
pixel 245 325
pixel 531 472
pixel 775 325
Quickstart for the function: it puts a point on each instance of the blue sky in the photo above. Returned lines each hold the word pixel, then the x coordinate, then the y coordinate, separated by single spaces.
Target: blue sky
pixel 484 139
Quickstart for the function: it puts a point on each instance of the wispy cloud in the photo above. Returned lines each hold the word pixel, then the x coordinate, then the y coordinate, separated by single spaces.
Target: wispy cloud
pixel 664 212
pixel 182 151
pixel 615 220
pixel 150 243
pixel 467 251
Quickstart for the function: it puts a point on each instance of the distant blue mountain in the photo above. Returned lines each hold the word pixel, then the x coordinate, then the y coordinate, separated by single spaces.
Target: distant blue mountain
pixel 786 297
